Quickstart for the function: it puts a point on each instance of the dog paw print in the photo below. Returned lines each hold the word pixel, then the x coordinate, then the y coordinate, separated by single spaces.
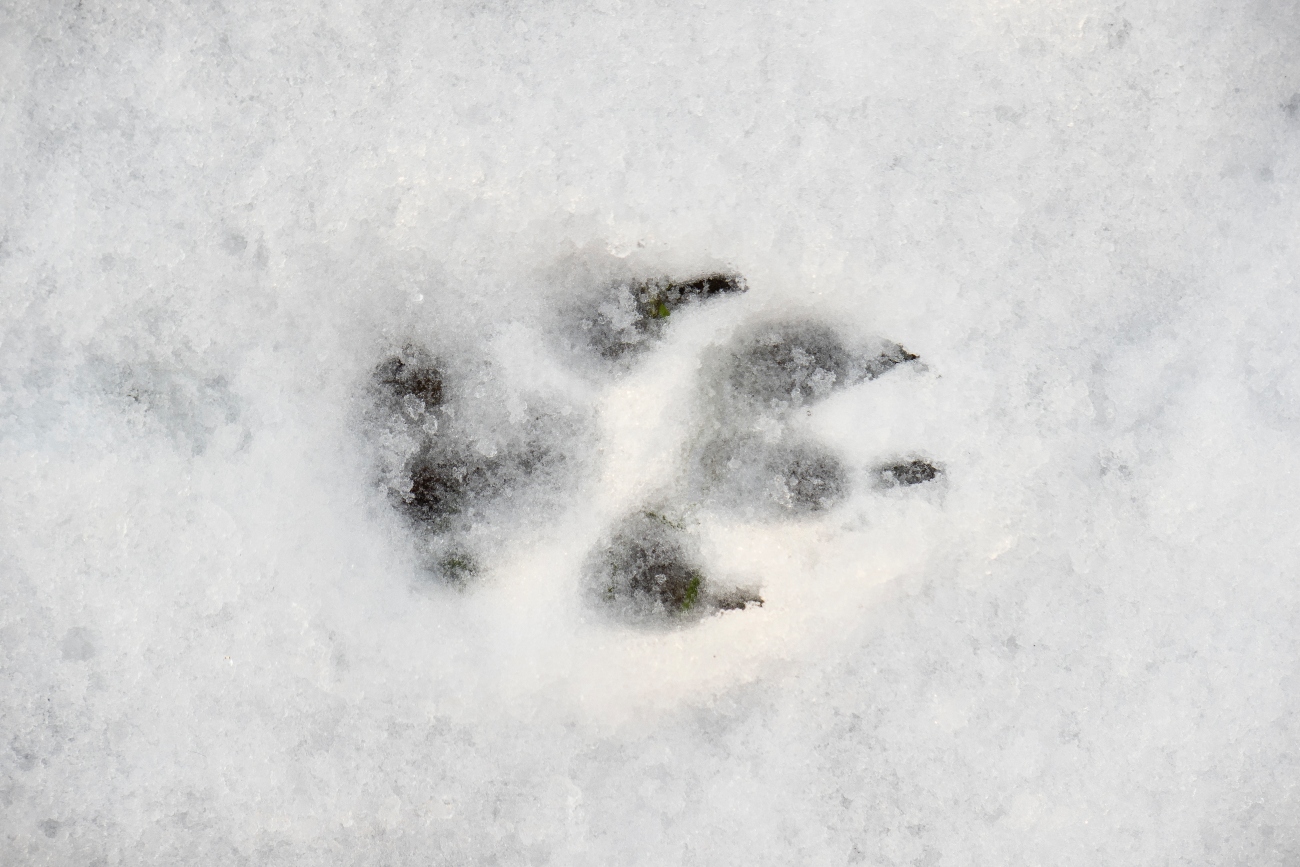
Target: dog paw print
pixel 749 455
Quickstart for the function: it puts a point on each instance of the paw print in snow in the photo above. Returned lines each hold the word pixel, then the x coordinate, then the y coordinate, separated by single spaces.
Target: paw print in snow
pixel 746 456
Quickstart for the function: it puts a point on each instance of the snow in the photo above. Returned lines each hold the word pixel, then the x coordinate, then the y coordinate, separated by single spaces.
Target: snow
pixel 225 639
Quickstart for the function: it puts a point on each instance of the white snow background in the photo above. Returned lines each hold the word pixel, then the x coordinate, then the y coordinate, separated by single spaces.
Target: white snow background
pixel 1079 647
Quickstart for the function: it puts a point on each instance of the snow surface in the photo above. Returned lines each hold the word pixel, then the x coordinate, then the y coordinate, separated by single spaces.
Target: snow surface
pixel 1079 645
